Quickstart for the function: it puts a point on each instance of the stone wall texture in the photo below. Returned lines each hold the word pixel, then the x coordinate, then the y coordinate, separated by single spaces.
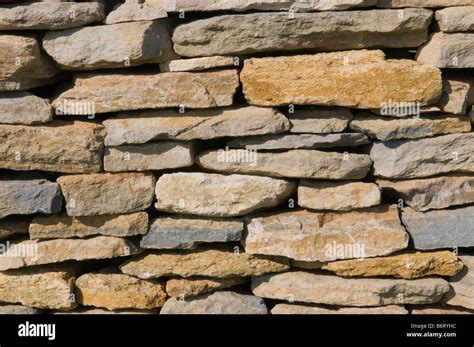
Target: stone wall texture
pixel 237 156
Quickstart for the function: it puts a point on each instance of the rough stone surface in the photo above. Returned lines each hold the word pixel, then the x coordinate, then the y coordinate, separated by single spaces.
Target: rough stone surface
pixel 24 108
pixel 50 15
pixel 294 163
pixel 406 265
pixel 186 232
pixel 439 309
pixel 263 5
pixel 432 193
pixel 317 236
pixel 387 129
pixel 337 196
pixel 211 262
pixel 182 288
pixel 69 147
pixel 306 309
pixel 101 194
pixel 132 10
pixel 443 50
pixel 198 64
pixel 457 91
pixel 217 303
pixel 330 79
pixel 39 288
pixel 150 156
pixel 119 291
pixel 34 252
pixel 453 19
pixel 113 46
pixel 18 309
pixel 333 290
pixel 135 91
pixel 28 195
pixel 34 68
pixel 300 141
pixel 194 124
pixel 266 32
pixel 440 228
pixel 63 226
pixel 462 285
pixel 421 3
pixel 13 227
pixel 320 120
pixel 219 195
pixel 424 157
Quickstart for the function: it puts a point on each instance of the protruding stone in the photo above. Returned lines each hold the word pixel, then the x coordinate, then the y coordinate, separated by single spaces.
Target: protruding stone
pixel 440 228
pixel 442 50
pixel 39 288
pixel 329 79
pixel 320 120
pixel 187 287
pixel 314 309
pixel 221 262
pixel 34 252
pixel 150 156
pixel 317 236
pixel 268 32
pixel 24 108
pixel 198 64
pixel 102 194
pixel 405 265
pixel 216 303
pixel 424 157
pixel 219 195
pixel 387 129
pixel 186 232
pixel 28 195
pixel 194 124
pixel 455 19
pixel 22 63
pixel 333 290
pixel 119 291
pixel 337 196
pixel 70 147
pixel 63 226
pixel 124 91
pixel 298 163
pixel 432 193
pixel 42 15
pixel 113 46
pixel 462 285
pixel 300 141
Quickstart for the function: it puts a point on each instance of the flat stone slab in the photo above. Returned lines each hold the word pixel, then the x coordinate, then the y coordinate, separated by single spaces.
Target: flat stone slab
pixel 24 108
pixel 198 64
pixel 183 288
pixel 320 120
pixel 455 19
pixel 314 309
pixel 442 50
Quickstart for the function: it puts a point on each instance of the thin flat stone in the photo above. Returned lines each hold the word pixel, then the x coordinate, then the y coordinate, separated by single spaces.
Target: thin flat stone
pixel 320 120
pixel 183 288
pixel 198 64
pixel 24 108
pixel 314 309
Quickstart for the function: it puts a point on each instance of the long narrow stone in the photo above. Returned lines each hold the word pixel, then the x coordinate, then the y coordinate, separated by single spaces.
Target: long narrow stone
pixel 329 79
pixel 440 228
pixel 34 252
pixel 24 108
pixel 114 46
pixel 318 236
pixel 432 193
pixel 28 195
pixel 442 50
pixel 22 63
pixel 183 288
pixel 424 157
pixel 69 147
pixel 314 309
pixel 267 32
pixel 63 226
pixel 102 194
pixel 421 3
pixel 125 91
pixel 333 290
pixel 50 15
pixel 194 124
pixel 198 64
pixel 298 163
pixel 320 120
pixel 38 287
pixel 150 156
pixel 213 262
pixel 214 195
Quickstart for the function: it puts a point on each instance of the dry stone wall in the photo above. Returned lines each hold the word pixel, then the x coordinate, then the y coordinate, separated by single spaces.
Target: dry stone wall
pixel 237 156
